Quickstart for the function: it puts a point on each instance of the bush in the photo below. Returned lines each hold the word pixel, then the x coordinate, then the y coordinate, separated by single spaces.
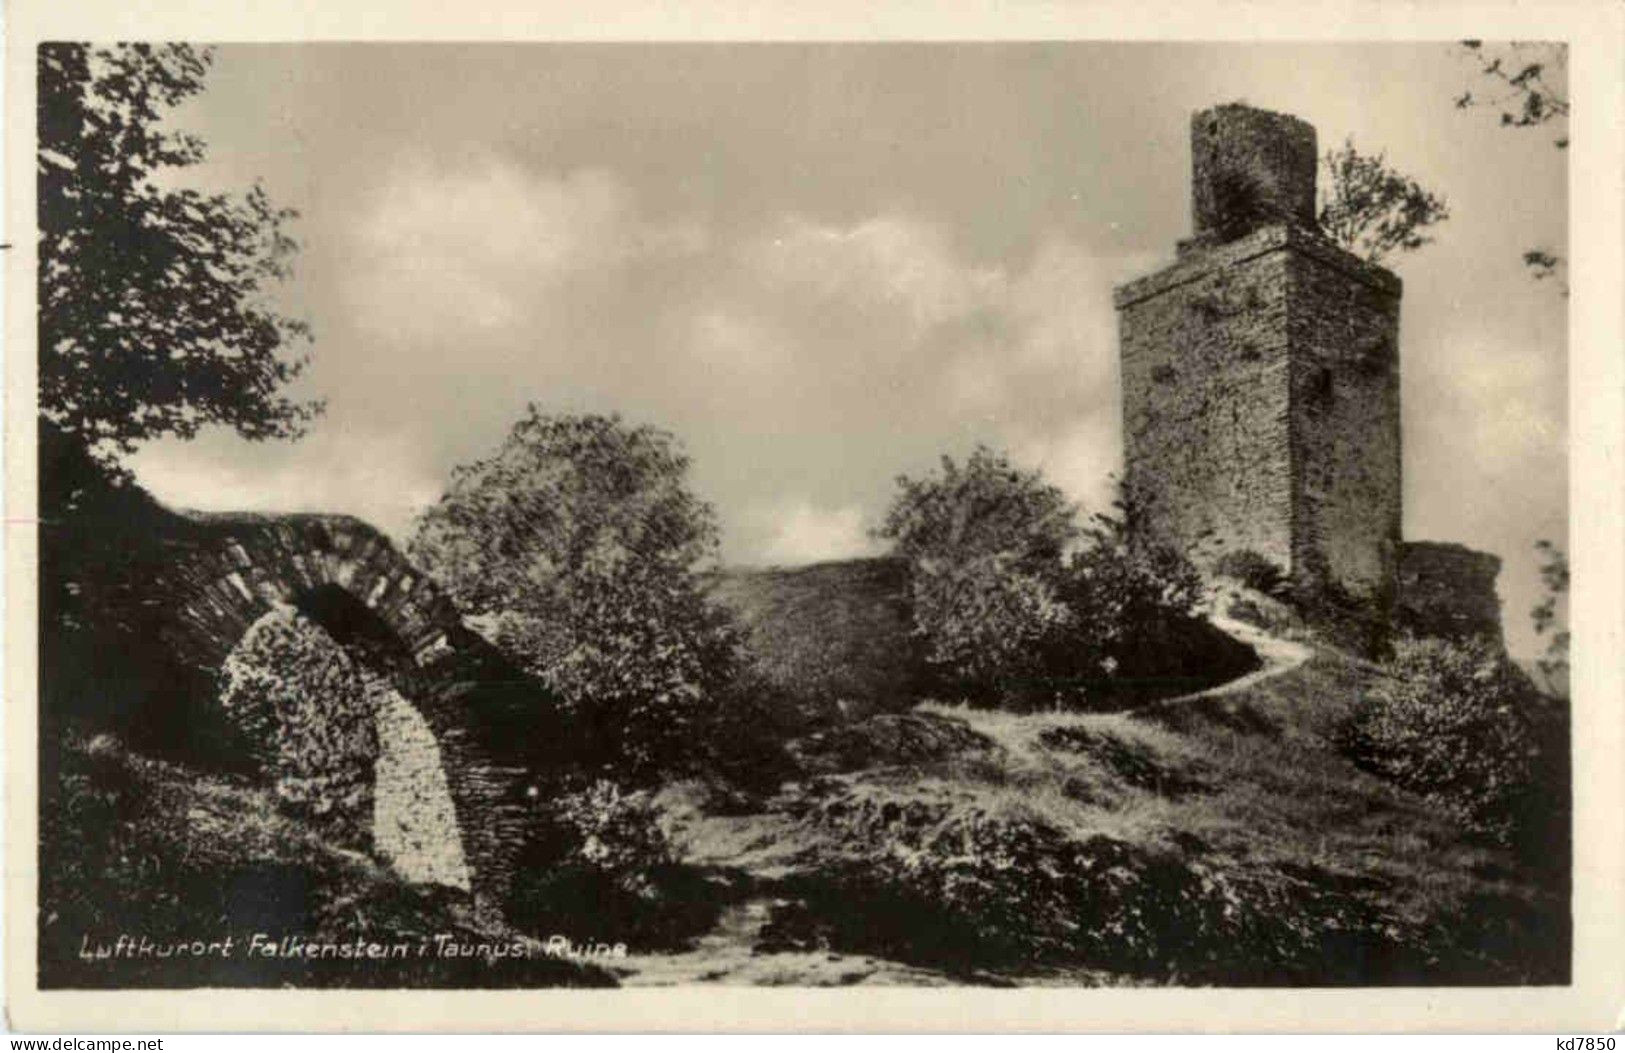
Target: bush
pixel 580 543
pixel 615 832
pixel 1458 723
pixel 598 861
pixel 306 721
pixel 984 542
pixel 1252 570
pixel 1132 597
pixel 987 628
pixel 1004 614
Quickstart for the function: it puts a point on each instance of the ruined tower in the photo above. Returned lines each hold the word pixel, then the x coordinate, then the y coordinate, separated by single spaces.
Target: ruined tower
pixel 1260 372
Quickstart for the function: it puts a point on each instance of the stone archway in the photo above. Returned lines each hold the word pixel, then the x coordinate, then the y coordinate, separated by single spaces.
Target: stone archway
pixel 341 748
pixel 454 710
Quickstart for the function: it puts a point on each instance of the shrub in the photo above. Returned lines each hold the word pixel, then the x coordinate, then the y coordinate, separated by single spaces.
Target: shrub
pixel 614 832
pixel 1457 722
pixel 598 861
pixel 580 541
pixel 1252 570
pixel 306 721
pixel 1004 614
pixel 1137 633
pixel 988 628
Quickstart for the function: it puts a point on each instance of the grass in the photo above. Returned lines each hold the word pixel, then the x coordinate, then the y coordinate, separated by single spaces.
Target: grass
pixel 833 637
pixel 1221 839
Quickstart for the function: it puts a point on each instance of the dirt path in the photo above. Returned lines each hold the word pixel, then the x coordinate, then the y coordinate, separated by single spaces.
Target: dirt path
pixel 1279 657
pixel 761 849
pixel 755 851
pixel 726 955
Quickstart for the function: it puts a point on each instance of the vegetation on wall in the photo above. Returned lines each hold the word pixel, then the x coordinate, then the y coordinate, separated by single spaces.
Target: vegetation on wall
pixel 303 712
pixel 1373 210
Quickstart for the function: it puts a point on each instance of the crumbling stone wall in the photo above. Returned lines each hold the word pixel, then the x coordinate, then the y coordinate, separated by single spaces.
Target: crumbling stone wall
pixel 414 821
pixel 1250 168
pixel 1448 590
pixel 1206 368
pixel 205 580
pixel 1260 372
pixel 342 749
pixel 1346 443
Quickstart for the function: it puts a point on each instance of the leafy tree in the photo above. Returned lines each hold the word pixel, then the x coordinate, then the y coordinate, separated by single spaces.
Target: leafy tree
pixel 987 506
pixel 1548 613
pixel 1373 210
pixel 153 298
pixel 1014 602
pixel 985 542
pixel 1526 81
pixel 1135 599
pixel 577 543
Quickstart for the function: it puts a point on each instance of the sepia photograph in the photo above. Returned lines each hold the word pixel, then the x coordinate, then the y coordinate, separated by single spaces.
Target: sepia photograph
pixel 974 514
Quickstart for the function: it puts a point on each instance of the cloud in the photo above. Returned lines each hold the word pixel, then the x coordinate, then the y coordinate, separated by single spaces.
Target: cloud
pixel 882 333
pixel 796 531
pixel 385 480
pixel 803 363
pixel 472 244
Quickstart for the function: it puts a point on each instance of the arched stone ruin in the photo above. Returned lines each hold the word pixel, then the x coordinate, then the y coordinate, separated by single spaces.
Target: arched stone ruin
pixel 414 738
pixel 343 750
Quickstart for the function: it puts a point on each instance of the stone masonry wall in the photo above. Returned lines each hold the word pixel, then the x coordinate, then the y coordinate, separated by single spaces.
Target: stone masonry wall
pixel 1448 590
pixel 208 577
pixel 1345 420
pixel 1250 168
pixel 1206 410
pixel 414 821
pixel 1260 371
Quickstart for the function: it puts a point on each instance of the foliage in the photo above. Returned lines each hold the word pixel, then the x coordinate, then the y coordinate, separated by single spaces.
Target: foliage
pixel 1135 599
pixel 302 710
pixel 986 507
pixel 1006 613
pixel 1548 615
pixel 1128 591
pixel 133 845
pixel 1527 82
pixel 578 542
pixel 985 542
pixel 1458 723
pixel 1373 210
pixel 985 625
pixel 153 299
pixel 1253 570
pixel 595 855
pixel 615 832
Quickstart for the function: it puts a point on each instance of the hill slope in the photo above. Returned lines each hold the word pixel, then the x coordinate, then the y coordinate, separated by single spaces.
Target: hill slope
pixel 1218 839
pixel 830 636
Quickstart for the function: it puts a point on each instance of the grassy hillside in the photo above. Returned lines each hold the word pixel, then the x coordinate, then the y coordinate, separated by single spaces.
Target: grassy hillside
pixel 1222 839
pixel 1219 838
pixel 832 637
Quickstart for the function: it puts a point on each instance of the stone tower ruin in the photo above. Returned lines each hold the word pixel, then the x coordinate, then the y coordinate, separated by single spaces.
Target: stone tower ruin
pixel 1260 372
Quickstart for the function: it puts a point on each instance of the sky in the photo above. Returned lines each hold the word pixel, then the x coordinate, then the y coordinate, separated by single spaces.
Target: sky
pixel 820 266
